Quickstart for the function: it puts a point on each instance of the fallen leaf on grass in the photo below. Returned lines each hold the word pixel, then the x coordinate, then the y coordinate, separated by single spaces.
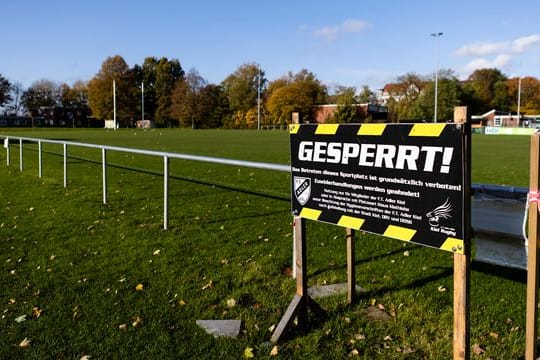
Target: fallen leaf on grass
pixel 477 349
pixel 122 326
pixel 231 303
pixel 354 352
pixel 20 319
pixel 274 351
pixel 441 289
pixel 209 285
pixel 248 353
pixel 494 335
pixel 139 287
pixel 137 321
pixel 156 252
pixel 25 343
pixel 287 271
pixel 181 302
pixel 408 350
pixel 86 357
pixel 387 338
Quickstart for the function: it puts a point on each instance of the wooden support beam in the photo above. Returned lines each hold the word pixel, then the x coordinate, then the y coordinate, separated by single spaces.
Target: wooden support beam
pixel 532 261
pixel 301 302
pixel 461 307
pixel 351 266
pixel 462 267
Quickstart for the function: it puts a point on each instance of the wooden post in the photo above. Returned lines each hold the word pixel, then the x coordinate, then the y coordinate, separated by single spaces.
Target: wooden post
pixel 301 268
pixel 301 301
pixel 532 260
pixel 461 306
pixel 298 304
pixel 351 266
pixel 295 119
pixel 462 270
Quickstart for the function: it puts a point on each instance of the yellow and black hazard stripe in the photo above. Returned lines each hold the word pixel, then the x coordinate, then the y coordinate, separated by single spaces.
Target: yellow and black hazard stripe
pixel 391 231
pixel 370 129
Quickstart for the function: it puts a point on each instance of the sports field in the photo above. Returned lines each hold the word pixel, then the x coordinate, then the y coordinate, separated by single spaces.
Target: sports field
pixel 82 278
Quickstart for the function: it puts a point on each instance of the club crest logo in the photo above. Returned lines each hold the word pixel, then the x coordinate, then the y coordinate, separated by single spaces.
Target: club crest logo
pixel 302 189
pixel 440 212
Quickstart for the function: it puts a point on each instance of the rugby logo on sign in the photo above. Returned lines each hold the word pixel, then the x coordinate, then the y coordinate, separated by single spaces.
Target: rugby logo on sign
pixel 302 189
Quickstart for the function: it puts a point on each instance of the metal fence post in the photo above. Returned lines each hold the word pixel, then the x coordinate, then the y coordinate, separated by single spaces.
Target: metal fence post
pixel 40 160
pixel 7 151
pixel 20 155
pixel 65 165
pixel 165 191
pixel 104 171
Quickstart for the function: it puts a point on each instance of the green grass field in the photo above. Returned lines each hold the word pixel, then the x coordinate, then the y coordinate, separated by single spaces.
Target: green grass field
pixel 82 278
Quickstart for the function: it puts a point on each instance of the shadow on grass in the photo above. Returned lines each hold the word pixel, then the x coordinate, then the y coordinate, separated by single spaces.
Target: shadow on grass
pixel 500 271
pixel 247 216
pixel 14 142
pixel 366 260
pixel 445 273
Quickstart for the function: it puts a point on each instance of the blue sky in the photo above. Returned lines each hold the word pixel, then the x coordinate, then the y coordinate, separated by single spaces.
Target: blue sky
pixel 348 42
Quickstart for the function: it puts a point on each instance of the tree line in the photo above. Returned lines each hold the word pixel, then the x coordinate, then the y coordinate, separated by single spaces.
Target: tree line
pixel 174 97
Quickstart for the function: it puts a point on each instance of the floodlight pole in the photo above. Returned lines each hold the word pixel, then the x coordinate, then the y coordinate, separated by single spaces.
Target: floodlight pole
pixel 258 97
pixel 436 36
pixel 142 100
pixel 519 99
pixel 114 104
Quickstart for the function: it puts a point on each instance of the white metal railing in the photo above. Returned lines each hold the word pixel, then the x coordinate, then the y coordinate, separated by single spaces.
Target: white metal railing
pixel 104 148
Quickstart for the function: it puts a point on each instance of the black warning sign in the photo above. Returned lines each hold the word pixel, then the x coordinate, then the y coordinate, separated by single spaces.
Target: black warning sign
pixel 404 181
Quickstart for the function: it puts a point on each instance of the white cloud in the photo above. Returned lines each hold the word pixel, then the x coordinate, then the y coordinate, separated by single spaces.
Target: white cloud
pixel 353 26
pixel 497 54
pixel 482 49
pixel 515 46
pixel 331 33
pixel 523 44
pixel 499 62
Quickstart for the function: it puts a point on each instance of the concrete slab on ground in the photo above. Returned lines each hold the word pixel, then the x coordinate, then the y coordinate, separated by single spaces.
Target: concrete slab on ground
pixel 226 328
pixel 330 290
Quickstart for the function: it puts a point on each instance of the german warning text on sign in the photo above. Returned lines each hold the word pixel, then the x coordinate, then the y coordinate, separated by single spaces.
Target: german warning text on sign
pixel 404 181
